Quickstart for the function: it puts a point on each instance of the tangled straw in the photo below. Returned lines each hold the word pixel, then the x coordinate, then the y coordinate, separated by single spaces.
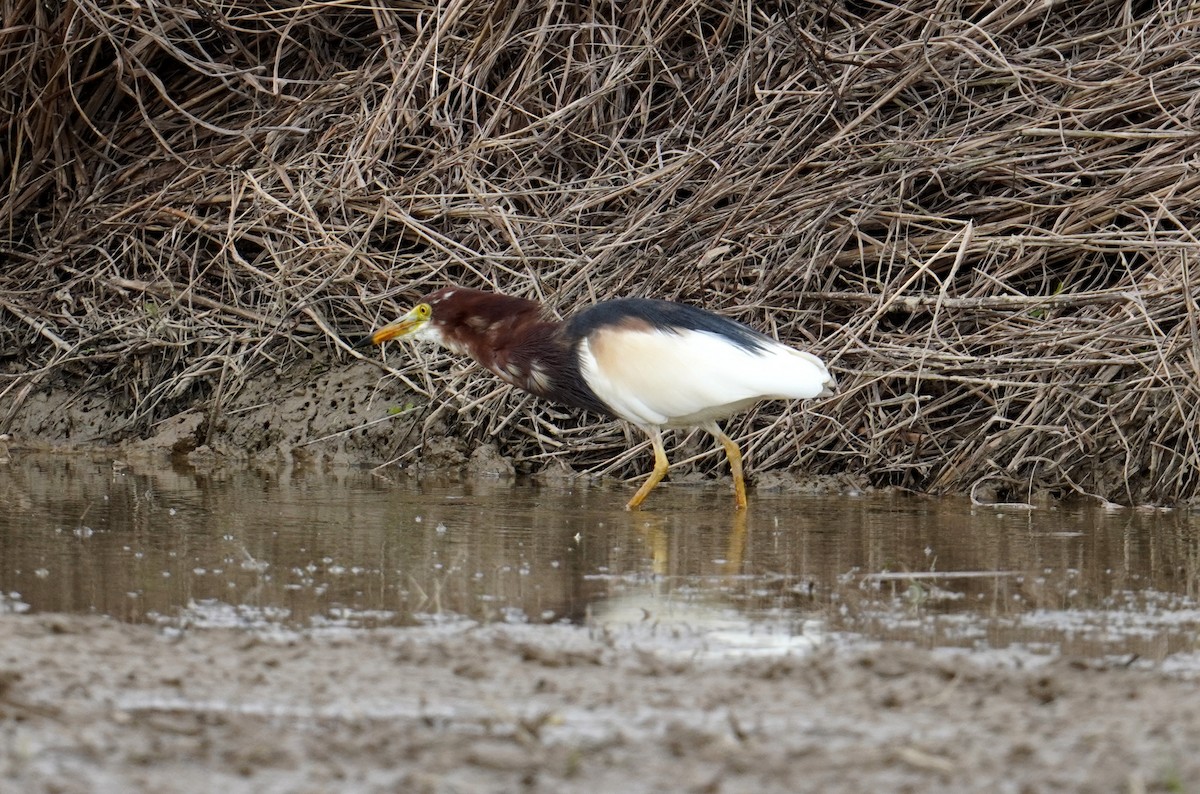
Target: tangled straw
pixel 982 214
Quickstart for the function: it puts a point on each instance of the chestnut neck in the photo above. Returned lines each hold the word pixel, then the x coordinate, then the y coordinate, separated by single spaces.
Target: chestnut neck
pixel 517 340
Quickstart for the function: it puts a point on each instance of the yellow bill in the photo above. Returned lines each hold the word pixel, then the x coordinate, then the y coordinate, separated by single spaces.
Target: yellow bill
pixel 409 324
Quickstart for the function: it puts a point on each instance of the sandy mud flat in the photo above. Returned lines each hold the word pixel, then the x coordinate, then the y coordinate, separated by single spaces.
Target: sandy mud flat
pixel 90 704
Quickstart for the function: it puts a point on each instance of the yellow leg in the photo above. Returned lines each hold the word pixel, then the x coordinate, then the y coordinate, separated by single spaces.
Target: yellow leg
pixel 660 471
pixel 735 464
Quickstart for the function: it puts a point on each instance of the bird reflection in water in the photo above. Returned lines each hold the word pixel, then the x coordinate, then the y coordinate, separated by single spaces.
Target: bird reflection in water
pixel 658 531
pixel 672 597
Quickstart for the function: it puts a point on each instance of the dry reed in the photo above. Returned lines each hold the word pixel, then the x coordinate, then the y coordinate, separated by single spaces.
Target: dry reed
pixel 982 214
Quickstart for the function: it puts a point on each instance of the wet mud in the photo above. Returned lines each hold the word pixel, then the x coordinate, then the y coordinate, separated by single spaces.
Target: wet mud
pixel 90 704
pixel 189 629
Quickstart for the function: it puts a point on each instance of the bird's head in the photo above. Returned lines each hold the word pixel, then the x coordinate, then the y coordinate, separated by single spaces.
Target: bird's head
pixel 414 324
pixel 461 319
pixel 426 321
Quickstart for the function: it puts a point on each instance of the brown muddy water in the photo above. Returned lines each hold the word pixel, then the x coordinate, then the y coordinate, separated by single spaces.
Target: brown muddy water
pixel 308 551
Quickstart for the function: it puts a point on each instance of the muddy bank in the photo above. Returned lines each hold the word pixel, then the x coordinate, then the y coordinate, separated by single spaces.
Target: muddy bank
pixel 329 411
pixel 87 704
pixel 336 412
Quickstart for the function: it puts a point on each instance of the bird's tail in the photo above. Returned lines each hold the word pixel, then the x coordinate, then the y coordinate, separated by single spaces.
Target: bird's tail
pixel 829 385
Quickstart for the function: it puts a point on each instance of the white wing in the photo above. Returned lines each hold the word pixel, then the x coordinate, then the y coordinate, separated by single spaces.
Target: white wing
pixel 683 378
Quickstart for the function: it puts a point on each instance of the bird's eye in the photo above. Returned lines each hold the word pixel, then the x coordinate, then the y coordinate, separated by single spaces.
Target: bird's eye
pixel 423 310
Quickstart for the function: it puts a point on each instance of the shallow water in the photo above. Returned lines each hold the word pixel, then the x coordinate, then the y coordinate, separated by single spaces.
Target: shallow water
pixel 310 550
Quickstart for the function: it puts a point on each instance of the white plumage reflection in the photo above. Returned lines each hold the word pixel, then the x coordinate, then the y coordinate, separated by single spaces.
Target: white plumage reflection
pixel 656 364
